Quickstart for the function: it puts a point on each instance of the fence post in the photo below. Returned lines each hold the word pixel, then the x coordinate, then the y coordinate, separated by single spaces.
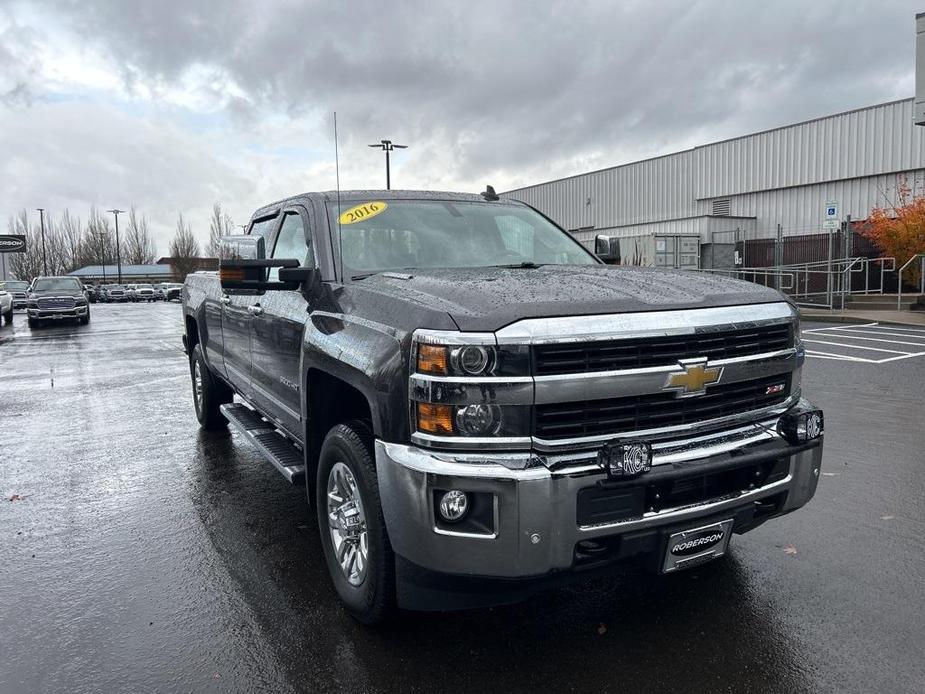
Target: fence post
pixel 828 273
pixel 779 254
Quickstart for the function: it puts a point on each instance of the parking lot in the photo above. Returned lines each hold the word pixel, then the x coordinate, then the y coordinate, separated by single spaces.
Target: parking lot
pixel 143 554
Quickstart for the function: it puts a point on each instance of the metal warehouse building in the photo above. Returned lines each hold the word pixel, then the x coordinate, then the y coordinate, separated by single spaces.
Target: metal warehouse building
pixel 680 209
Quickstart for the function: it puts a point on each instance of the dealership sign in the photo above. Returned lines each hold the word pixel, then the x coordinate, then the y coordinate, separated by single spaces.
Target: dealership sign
pixel 12 243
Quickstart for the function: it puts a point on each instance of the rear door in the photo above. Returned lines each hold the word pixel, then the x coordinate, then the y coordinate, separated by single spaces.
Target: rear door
pixel 237 313
pixel 277 328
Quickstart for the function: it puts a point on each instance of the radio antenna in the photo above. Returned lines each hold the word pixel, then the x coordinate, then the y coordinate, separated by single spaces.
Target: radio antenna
pixel 340 238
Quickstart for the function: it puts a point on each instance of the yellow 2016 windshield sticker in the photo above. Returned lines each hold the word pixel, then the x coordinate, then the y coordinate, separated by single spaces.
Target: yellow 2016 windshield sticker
pixel 361 212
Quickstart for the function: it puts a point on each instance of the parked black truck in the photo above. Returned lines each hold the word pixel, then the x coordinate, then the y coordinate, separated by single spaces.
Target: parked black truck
pixel 56 298
pixel 479 408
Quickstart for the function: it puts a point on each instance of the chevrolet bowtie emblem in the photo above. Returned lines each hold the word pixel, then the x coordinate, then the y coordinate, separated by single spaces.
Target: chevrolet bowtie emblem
pixel 694 378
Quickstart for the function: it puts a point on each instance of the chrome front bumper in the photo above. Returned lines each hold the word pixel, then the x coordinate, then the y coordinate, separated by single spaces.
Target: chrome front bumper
pixel 536 527
pixel 57 313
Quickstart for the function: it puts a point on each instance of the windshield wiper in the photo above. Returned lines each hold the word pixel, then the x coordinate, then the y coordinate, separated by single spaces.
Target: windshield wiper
pixel 527 265
pixel 354 278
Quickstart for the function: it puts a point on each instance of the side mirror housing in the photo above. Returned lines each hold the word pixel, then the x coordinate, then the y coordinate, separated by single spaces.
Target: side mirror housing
pixel 243 265
pixel 607 249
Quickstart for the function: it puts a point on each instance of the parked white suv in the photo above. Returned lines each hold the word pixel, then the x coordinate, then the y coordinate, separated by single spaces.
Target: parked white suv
pixel 6 306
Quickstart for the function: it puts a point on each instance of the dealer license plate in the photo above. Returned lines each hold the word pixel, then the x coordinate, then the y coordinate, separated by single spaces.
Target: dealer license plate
pixel 697 546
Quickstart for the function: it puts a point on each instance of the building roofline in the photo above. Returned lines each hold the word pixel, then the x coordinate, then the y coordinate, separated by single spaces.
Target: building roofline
pixel 711 144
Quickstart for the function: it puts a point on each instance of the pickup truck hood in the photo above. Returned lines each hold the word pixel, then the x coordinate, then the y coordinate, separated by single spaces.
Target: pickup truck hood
pixel 487 299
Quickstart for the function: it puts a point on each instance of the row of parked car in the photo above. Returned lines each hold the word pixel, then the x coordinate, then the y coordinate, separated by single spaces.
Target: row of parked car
pixel 120 293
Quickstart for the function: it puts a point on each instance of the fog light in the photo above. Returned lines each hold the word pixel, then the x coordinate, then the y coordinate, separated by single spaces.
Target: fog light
pixel 626 459
pixel 802 427
pixel 454 505
pixel 478 420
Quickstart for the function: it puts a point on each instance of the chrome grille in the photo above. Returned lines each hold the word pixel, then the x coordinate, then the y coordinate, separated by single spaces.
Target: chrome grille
pixel 615 355
pixel 56 303
pixel 658 410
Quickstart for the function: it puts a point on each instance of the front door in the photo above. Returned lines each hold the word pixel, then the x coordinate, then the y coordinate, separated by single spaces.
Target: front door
pixel 237 313
pixel 277 327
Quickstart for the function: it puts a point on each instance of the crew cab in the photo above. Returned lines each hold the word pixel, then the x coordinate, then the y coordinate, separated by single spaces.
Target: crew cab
pixel 56 298
pixel 480 408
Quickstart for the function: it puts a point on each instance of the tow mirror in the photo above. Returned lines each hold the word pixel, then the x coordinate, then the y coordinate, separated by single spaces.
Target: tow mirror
pixel 607 249
pixel 243 266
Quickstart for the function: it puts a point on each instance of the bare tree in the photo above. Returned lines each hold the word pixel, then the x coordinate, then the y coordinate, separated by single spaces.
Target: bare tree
pixel 25 266
pixel 219 225
pixel 139 246
pixel 184 249
pixel 71 231
pixel 98 247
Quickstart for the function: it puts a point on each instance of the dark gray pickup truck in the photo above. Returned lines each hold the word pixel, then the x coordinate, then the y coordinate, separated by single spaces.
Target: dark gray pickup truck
pixel 479 408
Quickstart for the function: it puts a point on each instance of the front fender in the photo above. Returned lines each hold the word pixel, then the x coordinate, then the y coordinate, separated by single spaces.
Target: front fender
pixel 367 355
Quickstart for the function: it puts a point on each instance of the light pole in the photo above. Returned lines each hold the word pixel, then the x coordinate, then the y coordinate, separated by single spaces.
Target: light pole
pixel 116 214
pixel 103 255
pixel 44 259
pixel 388 146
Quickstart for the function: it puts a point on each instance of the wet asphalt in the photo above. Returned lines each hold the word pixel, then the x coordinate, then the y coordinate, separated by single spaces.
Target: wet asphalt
pixel 142 554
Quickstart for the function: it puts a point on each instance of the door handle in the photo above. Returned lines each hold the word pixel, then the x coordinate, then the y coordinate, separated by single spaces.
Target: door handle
pixel 225 299
pixel 255 310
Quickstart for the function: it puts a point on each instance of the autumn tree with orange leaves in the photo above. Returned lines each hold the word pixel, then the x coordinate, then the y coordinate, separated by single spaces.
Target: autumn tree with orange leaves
pixel 898 230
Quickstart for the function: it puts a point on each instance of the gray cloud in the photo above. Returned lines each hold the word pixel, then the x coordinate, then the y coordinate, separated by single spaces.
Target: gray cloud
pixel 512 92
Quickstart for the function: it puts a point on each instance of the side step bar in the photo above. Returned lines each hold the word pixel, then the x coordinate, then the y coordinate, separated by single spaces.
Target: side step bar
pixel 263 435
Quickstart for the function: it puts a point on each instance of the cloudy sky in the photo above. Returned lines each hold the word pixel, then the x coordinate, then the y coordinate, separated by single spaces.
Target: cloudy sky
pixel 175 104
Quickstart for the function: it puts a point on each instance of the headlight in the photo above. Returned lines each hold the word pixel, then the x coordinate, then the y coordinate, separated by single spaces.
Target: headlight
pixel 465 386
pixel 471 360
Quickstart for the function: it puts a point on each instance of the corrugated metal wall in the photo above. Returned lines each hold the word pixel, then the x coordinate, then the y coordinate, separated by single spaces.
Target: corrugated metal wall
pixel 872 141
pixel 645 191
pixel 782 176
pixel 799 210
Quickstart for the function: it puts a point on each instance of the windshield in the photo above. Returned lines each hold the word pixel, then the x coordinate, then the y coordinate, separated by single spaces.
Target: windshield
pixel 409 234
pixel 144 286
pixel 68 284
pixel 14 286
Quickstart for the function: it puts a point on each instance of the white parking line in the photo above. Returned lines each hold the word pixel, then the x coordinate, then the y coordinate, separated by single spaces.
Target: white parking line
pixel 872 349
pixel 875 339
pixel 849 338
pixel 839 357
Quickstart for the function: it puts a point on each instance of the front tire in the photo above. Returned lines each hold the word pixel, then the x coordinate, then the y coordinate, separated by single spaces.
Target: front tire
pixel 33 322
pixel 209 393
pixel 353 534
pixel 8 316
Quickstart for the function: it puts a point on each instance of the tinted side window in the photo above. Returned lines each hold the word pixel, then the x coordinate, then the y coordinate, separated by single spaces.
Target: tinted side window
pixel 291 243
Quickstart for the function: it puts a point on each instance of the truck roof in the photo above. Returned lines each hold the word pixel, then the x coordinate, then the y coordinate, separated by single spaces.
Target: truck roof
pixel 361 195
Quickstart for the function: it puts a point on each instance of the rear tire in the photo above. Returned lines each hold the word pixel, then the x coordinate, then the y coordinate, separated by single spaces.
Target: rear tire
pixel 209 393
pixel 366 584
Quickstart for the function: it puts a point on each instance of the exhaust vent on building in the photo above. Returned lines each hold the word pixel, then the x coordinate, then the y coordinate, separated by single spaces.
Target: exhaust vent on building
pixel 721 208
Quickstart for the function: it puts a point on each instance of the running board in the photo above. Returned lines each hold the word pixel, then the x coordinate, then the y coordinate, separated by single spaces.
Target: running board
pixel 284 456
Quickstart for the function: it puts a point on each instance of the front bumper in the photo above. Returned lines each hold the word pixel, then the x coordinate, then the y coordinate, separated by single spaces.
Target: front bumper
pixel 58 314
pixel 537 527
